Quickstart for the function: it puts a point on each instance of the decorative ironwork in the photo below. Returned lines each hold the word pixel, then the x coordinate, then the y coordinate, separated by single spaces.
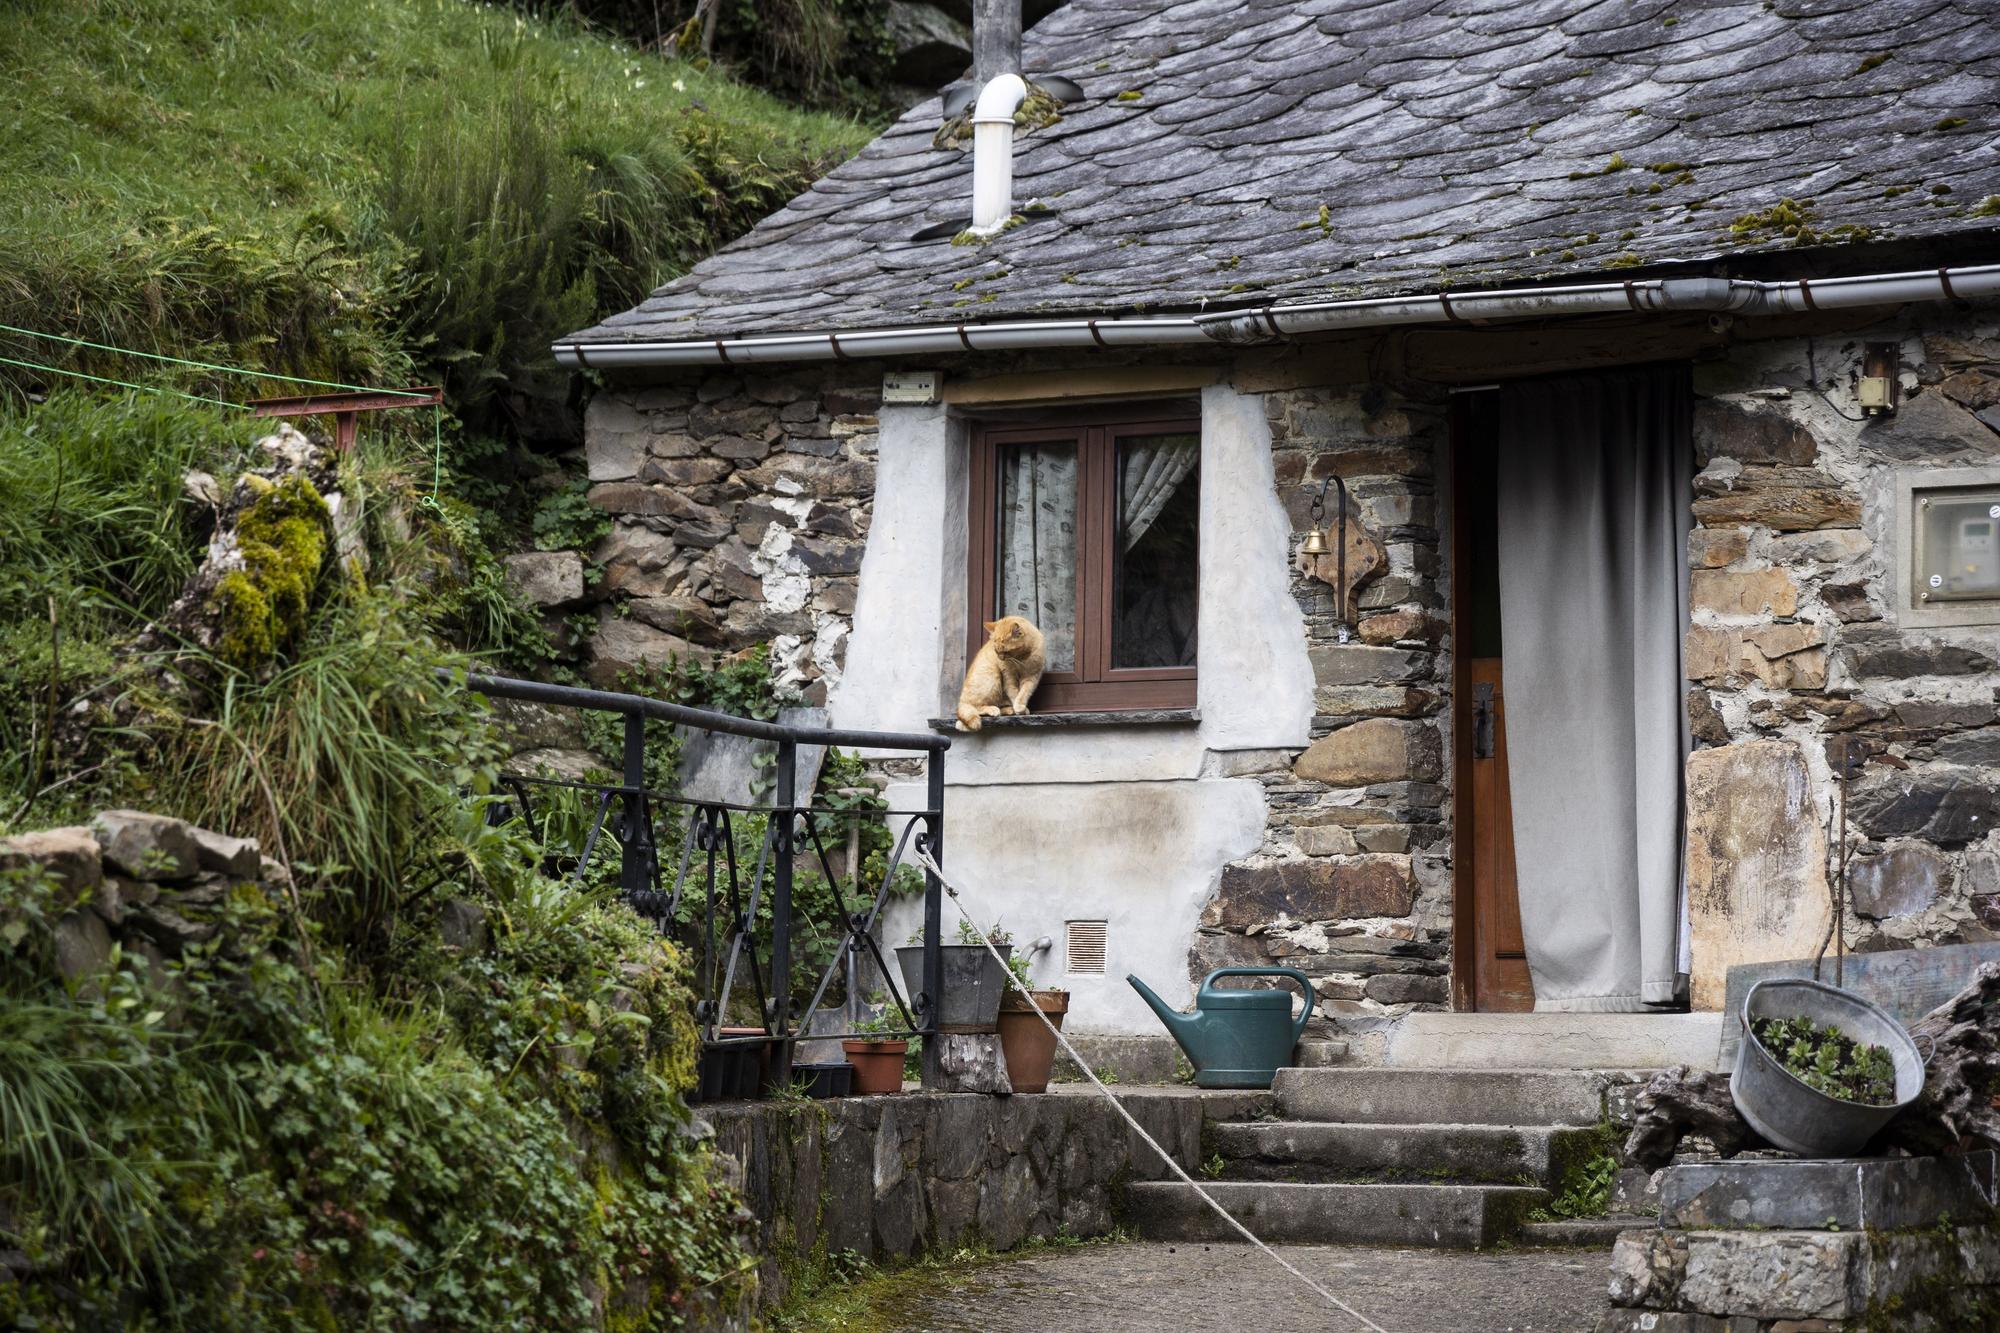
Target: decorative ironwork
pixel 712 905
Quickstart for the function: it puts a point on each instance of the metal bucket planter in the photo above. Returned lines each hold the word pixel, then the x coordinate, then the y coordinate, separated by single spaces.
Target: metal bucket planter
pixel 973 985
pixel 1802 1119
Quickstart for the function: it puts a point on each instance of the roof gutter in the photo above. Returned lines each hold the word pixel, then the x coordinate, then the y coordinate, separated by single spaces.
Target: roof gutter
pixel 932 340
pixel 1738 296
pixel 1273 322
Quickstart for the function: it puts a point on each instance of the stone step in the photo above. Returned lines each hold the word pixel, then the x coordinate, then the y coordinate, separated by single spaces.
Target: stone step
pixel 1582 1233
pixel 1302 1150
pixel 1556 1041
pixel 1390 1096
pixel 1459 1217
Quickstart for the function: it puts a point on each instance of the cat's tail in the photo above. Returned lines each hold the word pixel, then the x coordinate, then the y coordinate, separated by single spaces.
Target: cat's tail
pixel 968 718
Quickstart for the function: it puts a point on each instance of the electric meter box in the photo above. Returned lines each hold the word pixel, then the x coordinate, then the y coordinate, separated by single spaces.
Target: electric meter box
pixel 1948 547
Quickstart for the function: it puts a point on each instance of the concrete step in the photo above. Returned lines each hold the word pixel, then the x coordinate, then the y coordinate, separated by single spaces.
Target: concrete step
pixel 1555 1041
pixel 1460 1217
pixel 1495 1154
pixel 1389 1096
pixel 1582 1233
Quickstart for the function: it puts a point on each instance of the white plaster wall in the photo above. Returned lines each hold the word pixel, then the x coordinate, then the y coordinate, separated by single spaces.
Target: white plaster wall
pixel 1045 826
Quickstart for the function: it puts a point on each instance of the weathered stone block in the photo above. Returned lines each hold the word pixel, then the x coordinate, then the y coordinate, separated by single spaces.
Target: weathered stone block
pixel 71 855
pixel 1928 426
pixel 1756 861
pixel 1401 627
pixel 146 847
pixel 1371 751
pixel 218 853
pixel 1362 664
pixel 83 945
pixel 1772 1274
pixel 1974 749
pixel 1376 700
pixel 1945 805
pixel 546 578
pixel 1749 593
pixel 620 645
pixel 1885 1193
pixel 1403 988
pixel 1647 1267
pixel 1850 602
pixel 1712 548
pixel 1788 499
pixel 689 617
pixel 1311 890
pixel 1901 882
pixel 1724 429
pixel 1831 546
pixel 1325 840
pixel 1884 652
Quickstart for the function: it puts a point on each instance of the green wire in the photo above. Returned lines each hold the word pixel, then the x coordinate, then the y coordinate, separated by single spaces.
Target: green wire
pixel 124 384
pixel 204 365
pixel 437 409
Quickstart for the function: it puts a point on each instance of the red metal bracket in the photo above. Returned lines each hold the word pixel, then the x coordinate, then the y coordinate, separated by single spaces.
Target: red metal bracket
pixel 345 408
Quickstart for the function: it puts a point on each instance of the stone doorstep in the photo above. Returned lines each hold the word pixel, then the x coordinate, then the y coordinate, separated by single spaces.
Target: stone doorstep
pixel 1393 1096
pixel 1556 1041
pixel 1883 1194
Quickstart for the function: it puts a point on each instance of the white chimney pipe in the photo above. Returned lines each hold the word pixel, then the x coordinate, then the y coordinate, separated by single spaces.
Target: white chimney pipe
pixel 993 152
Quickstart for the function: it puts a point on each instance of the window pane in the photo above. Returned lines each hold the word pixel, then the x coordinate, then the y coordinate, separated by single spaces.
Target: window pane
pixel 1959 559
pixel 1153 555
pixel 1037 557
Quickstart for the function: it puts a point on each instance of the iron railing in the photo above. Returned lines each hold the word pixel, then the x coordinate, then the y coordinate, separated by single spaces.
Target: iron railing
pixel 724 939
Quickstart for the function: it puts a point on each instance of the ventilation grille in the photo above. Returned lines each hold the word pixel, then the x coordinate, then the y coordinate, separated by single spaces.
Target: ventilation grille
pixel 1086 946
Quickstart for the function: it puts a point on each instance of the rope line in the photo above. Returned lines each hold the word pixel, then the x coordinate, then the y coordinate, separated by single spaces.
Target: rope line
pixel 923 857
pixel 437 409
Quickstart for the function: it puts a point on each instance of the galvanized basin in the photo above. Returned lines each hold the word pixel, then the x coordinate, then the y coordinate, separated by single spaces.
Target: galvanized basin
pixel 1802 1119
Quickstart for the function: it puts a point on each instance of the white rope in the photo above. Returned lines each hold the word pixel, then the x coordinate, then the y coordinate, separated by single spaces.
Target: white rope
pixel 923 856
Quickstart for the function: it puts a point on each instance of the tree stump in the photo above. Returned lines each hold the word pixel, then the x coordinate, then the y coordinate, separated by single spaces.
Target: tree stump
pixel 966 1062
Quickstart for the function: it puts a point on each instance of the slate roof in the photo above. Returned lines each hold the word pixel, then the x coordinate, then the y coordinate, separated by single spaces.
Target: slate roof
pixel 1466 142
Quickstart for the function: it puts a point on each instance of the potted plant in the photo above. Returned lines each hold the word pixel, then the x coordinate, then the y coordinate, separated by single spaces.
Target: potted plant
pixel 877 1057
pixel 1025 1041
pixel 973 981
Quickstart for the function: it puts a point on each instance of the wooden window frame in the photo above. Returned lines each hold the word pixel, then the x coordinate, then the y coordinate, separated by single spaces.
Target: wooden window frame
pixel 1095 685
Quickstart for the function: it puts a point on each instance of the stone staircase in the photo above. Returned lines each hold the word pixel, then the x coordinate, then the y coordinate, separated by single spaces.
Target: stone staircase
pixel 1451 1158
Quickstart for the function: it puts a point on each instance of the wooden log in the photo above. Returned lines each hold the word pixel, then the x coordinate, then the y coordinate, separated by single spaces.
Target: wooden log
pixel 1961 1039
pixel 1679 1102
pixel 1954 1113
pixel 967 1062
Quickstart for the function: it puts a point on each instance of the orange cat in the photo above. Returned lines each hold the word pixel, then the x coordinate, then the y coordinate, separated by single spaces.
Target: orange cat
pixel 1003 673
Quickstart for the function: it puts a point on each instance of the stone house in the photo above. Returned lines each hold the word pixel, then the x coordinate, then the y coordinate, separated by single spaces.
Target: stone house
pixel 1654 350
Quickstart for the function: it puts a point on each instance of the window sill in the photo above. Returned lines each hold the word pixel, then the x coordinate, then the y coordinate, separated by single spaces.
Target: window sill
pixel 1128 717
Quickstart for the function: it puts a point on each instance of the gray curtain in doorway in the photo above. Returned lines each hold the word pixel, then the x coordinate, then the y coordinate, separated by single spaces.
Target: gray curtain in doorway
pixel 1595 475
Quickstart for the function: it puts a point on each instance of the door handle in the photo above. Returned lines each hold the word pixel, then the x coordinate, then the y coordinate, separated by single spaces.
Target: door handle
pixel 1482 720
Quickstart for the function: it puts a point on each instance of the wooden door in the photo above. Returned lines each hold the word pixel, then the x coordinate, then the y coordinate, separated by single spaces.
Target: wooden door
pixel 1500 981
pixel 1489 965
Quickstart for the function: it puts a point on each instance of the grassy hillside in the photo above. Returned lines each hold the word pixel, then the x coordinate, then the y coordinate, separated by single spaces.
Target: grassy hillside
pixel 309 1109
pixel 364 190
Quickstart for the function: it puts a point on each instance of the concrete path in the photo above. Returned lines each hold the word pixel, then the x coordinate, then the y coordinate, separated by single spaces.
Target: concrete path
pixel 1154 1288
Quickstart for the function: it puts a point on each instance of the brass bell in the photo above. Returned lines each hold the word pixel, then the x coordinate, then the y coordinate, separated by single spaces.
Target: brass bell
pixel 1315 542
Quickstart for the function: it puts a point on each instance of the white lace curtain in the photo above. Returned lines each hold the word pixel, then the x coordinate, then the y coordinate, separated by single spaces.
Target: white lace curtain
pixel 1038 524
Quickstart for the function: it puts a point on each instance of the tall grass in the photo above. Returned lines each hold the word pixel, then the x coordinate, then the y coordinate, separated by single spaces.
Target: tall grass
pixel 275 183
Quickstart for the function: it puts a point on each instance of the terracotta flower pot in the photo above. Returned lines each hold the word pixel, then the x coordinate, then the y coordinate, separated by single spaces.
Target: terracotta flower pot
pixel 878 1065
pixel 1030 1048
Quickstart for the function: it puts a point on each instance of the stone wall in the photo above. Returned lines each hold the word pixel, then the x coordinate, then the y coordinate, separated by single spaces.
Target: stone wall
pixel 1795 648
pixel 1352 884
pixel 740 506
pixel 885 1178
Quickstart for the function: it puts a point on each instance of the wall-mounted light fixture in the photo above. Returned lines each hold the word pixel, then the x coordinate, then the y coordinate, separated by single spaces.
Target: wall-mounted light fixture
pixel 1876 390
pixel 1315 544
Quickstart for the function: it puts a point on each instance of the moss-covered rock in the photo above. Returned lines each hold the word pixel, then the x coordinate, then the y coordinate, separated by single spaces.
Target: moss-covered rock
pixel 282 537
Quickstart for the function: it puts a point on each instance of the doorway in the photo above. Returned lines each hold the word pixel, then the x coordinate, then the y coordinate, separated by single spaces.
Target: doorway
pixel 1491 971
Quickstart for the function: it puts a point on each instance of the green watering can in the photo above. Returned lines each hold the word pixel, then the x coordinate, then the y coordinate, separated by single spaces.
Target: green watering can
pixel 1236 1038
